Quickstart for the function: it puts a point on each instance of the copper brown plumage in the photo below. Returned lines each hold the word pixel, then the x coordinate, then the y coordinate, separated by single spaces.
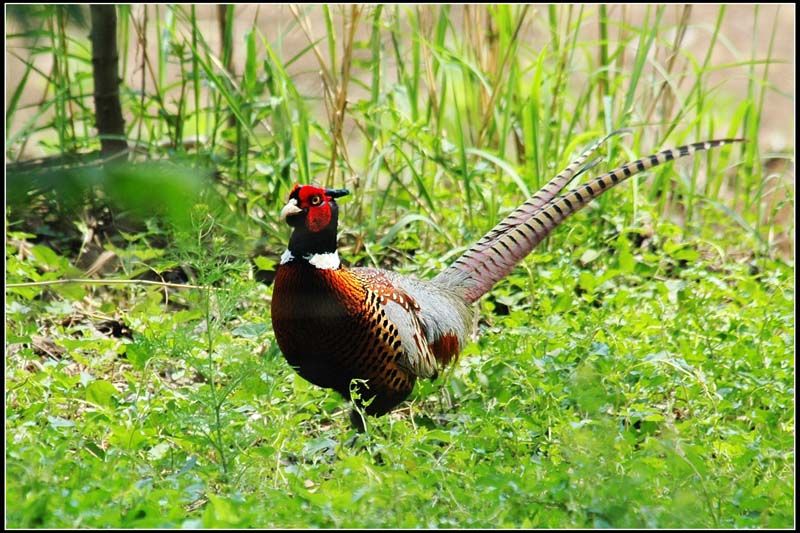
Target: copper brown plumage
pixel 378 330
pixel 332 328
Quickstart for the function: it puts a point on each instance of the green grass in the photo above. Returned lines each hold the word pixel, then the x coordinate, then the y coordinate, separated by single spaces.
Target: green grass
pixel 637 370
pixel 659 397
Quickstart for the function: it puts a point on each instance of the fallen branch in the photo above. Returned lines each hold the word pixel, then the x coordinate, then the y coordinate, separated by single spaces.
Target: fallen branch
pixel 108 282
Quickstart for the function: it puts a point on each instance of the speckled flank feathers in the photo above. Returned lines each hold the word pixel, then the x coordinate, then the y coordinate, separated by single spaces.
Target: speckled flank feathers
pixel 332 328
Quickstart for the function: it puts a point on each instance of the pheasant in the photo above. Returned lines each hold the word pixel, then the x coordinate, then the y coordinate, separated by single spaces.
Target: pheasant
pixel 384 330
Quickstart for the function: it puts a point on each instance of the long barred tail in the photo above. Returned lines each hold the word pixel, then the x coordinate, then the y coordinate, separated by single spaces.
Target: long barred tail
pixel 542 197
pixel 495 255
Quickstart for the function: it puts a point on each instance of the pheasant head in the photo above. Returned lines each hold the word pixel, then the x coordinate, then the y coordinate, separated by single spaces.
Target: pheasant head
pixel 314 215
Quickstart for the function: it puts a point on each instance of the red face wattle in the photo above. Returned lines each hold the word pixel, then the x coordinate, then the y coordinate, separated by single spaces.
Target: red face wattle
pixel 318 208
pixel 311 206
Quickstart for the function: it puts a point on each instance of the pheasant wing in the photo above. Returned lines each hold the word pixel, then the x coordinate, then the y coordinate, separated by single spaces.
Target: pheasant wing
pixel 402 311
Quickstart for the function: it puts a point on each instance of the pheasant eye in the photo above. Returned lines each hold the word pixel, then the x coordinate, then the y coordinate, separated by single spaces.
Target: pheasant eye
pixel 316 200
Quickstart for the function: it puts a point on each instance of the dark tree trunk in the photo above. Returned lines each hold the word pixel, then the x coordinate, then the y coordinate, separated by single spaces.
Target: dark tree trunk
pixel 226 18
pixel 105 64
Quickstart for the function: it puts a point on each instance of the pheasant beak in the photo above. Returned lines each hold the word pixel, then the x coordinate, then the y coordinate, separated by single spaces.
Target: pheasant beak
pixel 290 209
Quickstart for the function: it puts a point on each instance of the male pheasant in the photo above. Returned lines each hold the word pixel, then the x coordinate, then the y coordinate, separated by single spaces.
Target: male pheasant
pixel 336 324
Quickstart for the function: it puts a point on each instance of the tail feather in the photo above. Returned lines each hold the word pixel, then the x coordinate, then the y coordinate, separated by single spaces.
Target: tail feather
pixel 543 196
pixel 496 254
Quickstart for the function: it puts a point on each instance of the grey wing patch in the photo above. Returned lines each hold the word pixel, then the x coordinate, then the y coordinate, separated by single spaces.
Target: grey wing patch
pixel 440 312
pixel 418 357
pixel 423 313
